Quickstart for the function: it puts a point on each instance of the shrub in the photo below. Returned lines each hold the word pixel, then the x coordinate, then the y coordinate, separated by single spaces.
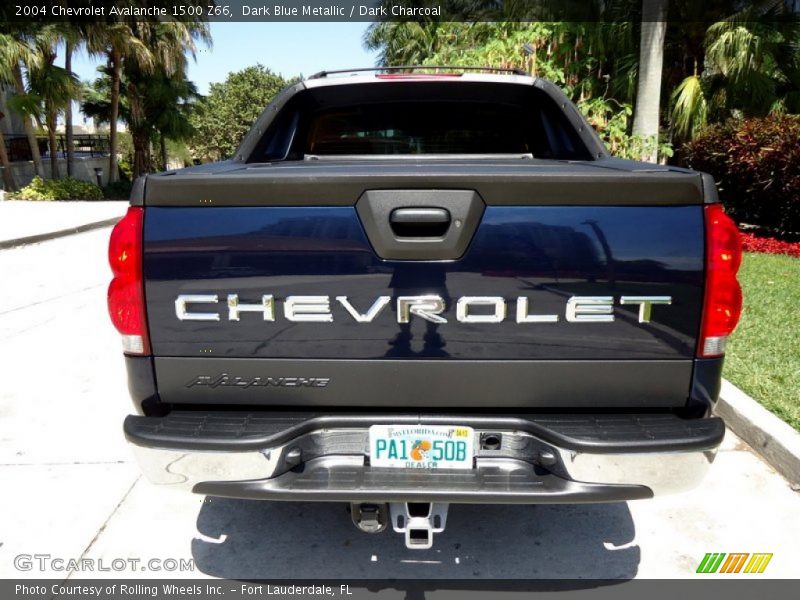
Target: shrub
pixel 119 190
pixel 67 188
pixel 756 163
pixel 125 151
pixel 612 121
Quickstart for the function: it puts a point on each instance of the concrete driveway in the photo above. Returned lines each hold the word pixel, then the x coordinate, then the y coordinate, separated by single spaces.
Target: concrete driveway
pixel 70 489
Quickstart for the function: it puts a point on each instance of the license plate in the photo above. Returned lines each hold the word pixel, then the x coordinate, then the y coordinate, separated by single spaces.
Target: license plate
pixel 421 446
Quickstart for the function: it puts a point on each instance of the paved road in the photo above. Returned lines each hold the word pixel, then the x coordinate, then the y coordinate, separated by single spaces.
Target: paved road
pixel 70 489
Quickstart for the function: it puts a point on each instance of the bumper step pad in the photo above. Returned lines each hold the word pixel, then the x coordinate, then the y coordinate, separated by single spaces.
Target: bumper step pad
pixel 496 481
pixel 597 433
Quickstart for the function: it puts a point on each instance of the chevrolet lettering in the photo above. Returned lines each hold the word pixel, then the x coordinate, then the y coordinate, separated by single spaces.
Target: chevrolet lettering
pixel 578 309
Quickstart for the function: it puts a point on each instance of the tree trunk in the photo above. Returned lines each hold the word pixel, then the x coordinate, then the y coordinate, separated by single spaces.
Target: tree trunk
pixel 68 51
pixel 140 166
pixel 8 174
pixel 651 63
pixel 51 134
pixel 163 142
pixel 116 74
pixel 27 125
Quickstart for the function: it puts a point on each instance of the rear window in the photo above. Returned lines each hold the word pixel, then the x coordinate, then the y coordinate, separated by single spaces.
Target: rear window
pixel 391 119
pixel 419 128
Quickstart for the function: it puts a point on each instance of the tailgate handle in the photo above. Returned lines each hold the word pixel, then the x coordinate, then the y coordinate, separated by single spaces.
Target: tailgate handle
pixel 417 222
pixel 420 224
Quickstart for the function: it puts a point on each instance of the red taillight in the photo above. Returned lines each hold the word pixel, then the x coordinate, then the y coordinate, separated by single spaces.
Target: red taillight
pixel 126 292
pixel 723 298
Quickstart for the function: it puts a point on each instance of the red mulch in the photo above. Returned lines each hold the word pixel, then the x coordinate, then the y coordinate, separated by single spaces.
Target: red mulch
pixel 769 245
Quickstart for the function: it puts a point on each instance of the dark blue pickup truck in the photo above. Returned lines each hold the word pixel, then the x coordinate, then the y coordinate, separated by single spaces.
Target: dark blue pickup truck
pixel 409 289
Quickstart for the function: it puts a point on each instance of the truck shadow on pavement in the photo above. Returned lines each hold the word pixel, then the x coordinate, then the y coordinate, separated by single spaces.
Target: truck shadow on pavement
pixel 242 539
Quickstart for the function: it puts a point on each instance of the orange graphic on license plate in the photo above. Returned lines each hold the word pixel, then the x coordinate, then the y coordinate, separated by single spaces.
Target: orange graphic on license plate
pixel 420 449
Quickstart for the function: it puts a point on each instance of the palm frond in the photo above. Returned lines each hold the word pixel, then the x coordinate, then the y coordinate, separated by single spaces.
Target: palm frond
pixel 689 108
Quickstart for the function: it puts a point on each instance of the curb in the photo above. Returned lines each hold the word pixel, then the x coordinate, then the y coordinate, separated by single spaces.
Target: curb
pixel 51 235
pixel 775 441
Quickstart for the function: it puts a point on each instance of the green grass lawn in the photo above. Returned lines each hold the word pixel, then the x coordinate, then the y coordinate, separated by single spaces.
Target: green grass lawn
pixel 763 356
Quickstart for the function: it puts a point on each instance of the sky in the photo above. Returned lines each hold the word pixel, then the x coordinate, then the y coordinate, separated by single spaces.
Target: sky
pixel 288 49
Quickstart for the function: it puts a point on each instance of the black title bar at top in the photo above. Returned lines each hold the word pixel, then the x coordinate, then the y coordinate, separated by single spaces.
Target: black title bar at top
pixel 672 11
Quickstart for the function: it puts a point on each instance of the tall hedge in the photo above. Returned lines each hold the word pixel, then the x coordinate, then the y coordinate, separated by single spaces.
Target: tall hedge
pixel 756 163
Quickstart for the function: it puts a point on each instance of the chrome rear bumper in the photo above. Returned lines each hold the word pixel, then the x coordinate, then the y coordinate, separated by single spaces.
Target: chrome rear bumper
pixel 331 463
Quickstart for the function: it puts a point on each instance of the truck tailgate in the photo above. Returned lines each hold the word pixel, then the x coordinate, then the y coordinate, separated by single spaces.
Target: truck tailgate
pixel 506 333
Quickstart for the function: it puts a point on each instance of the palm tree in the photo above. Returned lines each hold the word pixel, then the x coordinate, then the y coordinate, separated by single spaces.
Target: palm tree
pixel 651 62
pixel 119 44
pixel 169 42
pixel 52 87
pixel 73 38
pixel 139 48
pixel 96 99
pixel 161 112
pixel 170 103
pixel 751 67
pixel 157 95
pixel 17 50
pixel 403 43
